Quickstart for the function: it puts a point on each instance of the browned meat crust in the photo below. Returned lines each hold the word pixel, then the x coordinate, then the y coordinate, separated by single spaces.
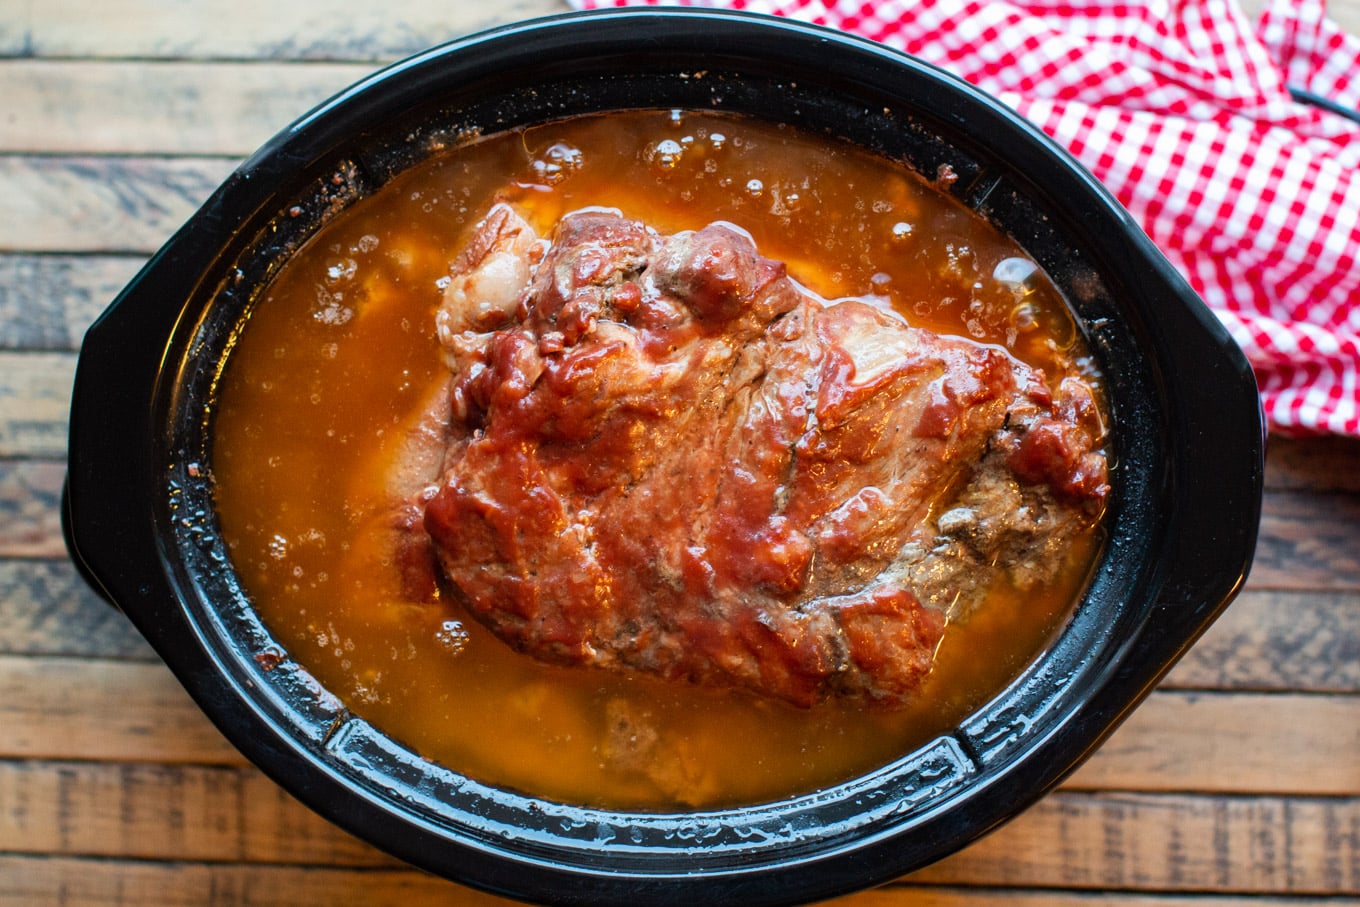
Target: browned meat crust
pixel 667 456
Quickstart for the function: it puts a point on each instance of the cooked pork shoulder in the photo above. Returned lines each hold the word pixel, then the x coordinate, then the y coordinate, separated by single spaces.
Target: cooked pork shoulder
pixel 667 456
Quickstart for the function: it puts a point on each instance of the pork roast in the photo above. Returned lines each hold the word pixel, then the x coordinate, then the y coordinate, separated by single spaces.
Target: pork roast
pixel 665 455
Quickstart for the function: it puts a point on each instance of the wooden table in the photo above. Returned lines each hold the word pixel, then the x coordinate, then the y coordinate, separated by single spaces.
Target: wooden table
pixel 1237 781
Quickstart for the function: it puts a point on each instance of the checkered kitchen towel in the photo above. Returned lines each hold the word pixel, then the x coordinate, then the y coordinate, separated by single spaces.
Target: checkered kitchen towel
pixel 1186 111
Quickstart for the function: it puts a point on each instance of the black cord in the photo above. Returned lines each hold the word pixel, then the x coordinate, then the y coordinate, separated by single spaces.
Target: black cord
pixel 1303 96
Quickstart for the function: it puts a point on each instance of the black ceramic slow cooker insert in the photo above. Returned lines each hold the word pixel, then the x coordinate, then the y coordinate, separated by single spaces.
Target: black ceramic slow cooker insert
pixel 1187 448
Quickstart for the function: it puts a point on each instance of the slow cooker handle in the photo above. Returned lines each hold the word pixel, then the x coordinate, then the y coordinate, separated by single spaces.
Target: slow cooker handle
pixel 112 485
pixel 82 568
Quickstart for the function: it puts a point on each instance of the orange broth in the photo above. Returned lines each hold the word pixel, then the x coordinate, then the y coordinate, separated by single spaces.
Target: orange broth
pixel 340 354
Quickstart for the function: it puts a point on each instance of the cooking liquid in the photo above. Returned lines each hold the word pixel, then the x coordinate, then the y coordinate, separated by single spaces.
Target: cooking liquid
pixel 340 356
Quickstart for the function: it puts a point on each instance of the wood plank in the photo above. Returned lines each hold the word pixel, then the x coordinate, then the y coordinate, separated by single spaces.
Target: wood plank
pixel 32 881
pixel 30 498
pixel 67 882
pixel 88 709
pixel 48 301
pixel 1139 842
pixel 47 609
pixel 1315 464
pixel 1304 641
pixel 1069 839
pixel 35 397
pixel 238 29
pixel 166 812
pixel 1231 743
pixel 161 107
pixel 57 708
pixel 1308 541
pixel 101 204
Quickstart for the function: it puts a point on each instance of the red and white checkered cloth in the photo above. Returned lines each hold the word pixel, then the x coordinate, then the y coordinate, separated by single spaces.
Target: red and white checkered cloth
pixel 1183 109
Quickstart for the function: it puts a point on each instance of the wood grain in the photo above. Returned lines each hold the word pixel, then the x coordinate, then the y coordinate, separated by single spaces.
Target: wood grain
pixel 250 29
pixel 65 708
pixel 35 396
pixel 1278 640
pixel 26 881
pixel 1278 743
pixel 47 609
pixel 1318 465
pixel 1308 541
pixel 1126 841
pixel 101 204
pixel 48 301
pixel 163 107
pixel 30 497
pixel 29 881
pixel 1137 842
pixel 166 812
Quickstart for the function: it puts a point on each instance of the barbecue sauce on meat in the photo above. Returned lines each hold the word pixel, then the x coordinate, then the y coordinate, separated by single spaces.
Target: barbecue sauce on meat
pixel 683 463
